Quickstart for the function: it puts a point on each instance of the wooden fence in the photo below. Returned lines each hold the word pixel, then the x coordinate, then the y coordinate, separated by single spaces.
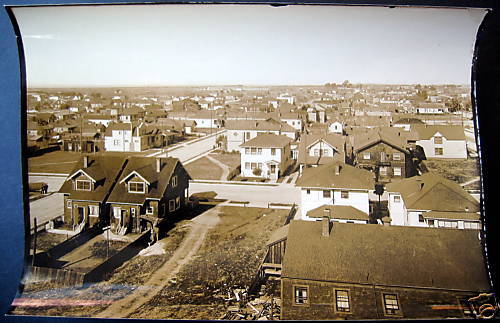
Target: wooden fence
pixel 291 214
pixel 60 277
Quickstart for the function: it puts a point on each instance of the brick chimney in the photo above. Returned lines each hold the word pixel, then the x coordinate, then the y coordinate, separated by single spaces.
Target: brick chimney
pixel 85 161
pixel 337 169
pixel 158 165
pixel 325 226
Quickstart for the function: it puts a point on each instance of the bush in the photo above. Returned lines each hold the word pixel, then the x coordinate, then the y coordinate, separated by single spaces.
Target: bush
pixel 257 171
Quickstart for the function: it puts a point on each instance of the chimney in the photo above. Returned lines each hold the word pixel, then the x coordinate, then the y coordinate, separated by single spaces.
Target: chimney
pixel 325 226
pixel 158 165
pixel 85 161
pixel 337 169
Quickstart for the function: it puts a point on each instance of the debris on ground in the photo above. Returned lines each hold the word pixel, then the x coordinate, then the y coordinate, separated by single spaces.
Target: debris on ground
pixel 155 249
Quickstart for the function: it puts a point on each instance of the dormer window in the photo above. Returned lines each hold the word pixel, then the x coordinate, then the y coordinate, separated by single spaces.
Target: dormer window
pixel 83 185
pixel 438 140
pixel 174 181
pixel 136 187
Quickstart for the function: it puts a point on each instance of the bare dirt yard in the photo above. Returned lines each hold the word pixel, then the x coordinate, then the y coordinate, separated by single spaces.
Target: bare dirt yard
pixel 459 171
pixel 203 168
pixel 228 258
pixel 232 160
pixel 58 161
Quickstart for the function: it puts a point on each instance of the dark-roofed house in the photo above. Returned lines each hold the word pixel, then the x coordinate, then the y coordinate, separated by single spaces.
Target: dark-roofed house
pixel 352 271
pixel 383 152
pixel 335 184
pixel 316 149
pixel 240 131
pixel 432 201
pixel 87 188
pixel 442 141
pixel 407 123
pixel 147 192
pixel 267 155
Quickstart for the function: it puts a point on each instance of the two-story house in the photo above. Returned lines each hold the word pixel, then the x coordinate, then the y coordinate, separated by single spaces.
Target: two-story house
pixel 430 200
pixel 267 155
pixel 87 188
pixel 147 192
pixel 131 137
pixel 335 184
pixel 383 152
pixel 316 149
pixel 442 141
pixel 347 271
pixel 295 120
pixel 240 131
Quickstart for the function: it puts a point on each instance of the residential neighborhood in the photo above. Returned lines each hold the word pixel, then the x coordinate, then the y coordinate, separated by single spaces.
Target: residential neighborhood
pixel 335 201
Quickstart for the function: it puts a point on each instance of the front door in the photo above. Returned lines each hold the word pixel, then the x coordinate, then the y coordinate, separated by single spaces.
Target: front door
pixel 80 215
pixel 134 220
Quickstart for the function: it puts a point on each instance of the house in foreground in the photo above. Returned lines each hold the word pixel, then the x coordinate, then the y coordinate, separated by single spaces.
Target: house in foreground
pixel 148 191
pixel 338 213
pixel 352 271
pixel 335 184
pixel 87 188
pixel 432 201
pixel 267 155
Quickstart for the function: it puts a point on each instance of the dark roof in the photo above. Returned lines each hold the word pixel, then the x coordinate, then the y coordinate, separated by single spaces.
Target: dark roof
pixel 471 216
pixel 386 255
pixel 450 132
pixel 103 169
pixel 278 235
pixel 269 124
pixel 146 168
pixel 377 135
pixel 433 192
pixel 335 140
pixel 344 212
pixel 411 121
pixel 268 140
pixel 324 177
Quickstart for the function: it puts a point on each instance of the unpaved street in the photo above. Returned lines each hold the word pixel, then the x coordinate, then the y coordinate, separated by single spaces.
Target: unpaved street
pixel 183 255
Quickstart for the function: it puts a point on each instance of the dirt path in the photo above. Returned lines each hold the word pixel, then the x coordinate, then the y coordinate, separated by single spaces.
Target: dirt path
pixel 225 168
pixel 183 255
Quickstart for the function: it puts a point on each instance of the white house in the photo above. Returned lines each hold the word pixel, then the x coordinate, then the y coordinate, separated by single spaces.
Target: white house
pixel 431 201
pixel 317 149
pixel 100 119
pixel 337 213
pixel 336 127
pixel 202 118
pixel 240 131
pixel 335 184
pixel 292 119
pixel 267 155
pixel 130 137
pixel 442 141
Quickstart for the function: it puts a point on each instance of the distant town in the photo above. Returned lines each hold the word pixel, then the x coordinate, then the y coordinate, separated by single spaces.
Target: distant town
pixel 334 201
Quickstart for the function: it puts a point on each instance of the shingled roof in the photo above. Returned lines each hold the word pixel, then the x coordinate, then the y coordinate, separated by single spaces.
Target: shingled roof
pixel 145 167
pixel 335 140
pixel 267 140
pixel 343 212
pixel 450 132
pixel 102 169
pixel 433 192
pixel 386 255
pixel 325 176
pixel 377 135
pixel 263 125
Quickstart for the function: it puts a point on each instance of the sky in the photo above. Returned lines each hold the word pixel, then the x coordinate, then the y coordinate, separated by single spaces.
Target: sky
pixel 172 45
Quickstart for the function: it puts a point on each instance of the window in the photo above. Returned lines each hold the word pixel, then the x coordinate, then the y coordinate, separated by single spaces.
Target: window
pixel 308 191
pixel 383 170
pixel 316 152
pixel 344 194
pixel 366 156
pixel 301 295
pixel 171 205
pixel 397 171
pixel 273 151
pixel 116 212
pixel 471 225
pixel 253 151
pixel 391 304
pixel 247 151
pixel 326 194
pixel 438 140
pixel 82 185
pixel 136 187
pixel 93 210
pixel 260 165
pixel 150 209
pixel 438 151
pixel 69 204
pixel 325 152
pixel 247 135
pixel 259 151
pixel 253 165
pixel 116 142
pixel 430 223
pixel 247 165
pixel 421 218
pixel 174 181
pixel 177 203
pixel 342 300
pixel 397 199
pixel 396 156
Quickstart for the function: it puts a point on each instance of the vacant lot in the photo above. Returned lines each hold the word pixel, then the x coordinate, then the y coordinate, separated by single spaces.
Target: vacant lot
pixel 229 258
pixel 46 240
pixel 231 160
pixel 53 162
pixel 203 168
pixel 459 171
pixel 130 276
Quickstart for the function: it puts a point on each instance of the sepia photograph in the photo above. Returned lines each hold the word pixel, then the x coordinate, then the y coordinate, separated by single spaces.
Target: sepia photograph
pixel 251 162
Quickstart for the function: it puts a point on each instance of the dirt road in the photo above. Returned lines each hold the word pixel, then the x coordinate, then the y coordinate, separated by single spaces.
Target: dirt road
pixel 199 227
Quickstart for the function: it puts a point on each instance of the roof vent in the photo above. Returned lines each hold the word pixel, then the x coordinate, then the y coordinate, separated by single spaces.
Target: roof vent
pixel 337 169
pixel 158 165
pixel 85 161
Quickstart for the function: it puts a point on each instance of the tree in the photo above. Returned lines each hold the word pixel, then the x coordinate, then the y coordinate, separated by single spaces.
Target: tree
pixel 422 94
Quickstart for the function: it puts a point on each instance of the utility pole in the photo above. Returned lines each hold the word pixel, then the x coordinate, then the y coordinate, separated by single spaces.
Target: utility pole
pixel 34 243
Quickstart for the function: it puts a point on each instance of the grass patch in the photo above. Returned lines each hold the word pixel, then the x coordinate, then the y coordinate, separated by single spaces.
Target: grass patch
pixel 53 162
pixel 231 160
pixel 459 171
pixel 46 240
pixel 203 168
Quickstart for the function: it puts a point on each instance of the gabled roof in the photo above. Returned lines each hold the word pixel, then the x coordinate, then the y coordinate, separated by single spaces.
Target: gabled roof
pixel 343 212
pixel 267 140
pixel 450 132
pixel 378 135
pixel 334 140
pixel 102 169
pixel 412 121
pixel 386 255
pixel 263 125
pixel 324 176
pixel 146 167
pixel 433 192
